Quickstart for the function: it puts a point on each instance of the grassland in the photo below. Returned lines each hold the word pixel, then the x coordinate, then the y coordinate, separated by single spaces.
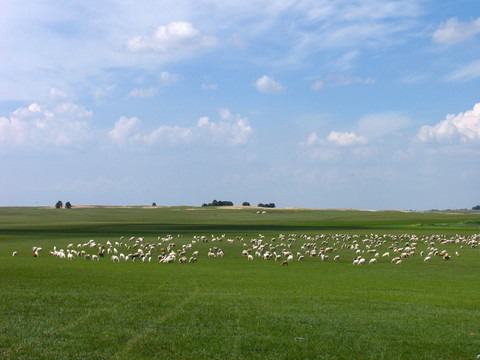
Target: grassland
pixel 231 308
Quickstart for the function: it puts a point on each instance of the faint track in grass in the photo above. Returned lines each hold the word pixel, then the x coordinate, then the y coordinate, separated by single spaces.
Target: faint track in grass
pixel 153 326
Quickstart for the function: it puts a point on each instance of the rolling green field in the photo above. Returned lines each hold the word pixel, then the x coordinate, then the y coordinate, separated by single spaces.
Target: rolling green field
pixel 229 307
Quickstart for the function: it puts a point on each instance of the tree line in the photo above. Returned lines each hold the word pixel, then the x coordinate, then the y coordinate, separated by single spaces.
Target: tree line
pixel 229 203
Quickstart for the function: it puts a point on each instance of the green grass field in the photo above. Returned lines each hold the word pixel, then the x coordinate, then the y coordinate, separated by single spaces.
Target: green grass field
pixel 232 308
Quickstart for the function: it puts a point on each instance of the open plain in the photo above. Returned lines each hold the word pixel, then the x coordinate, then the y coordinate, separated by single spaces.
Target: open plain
pixel 208 284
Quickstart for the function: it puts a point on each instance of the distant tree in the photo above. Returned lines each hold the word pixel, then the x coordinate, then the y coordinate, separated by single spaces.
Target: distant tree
pixel 59 204
pixel 218 203
pixel 270 205
pixel 68 205
pixel 476 207
pixel 154 204
pixel 246 203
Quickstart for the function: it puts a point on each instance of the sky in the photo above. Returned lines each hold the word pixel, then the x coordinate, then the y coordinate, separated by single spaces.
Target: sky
pixel 366 104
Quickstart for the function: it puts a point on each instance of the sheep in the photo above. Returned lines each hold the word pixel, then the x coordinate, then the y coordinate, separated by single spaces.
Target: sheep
pixel 249 257
pixel 336 258
pixel 284 262
pixel 372 261
pixel 115 258
pixel 192 259
pixel 182 259
pixel 14 253
pixel 427 258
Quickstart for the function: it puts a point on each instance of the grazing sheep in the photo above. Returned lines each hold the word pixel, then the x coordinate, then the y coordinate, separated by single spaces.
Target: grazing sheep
pixel 372 261
pixel 115 258
pixel 336 258
pixel 14 253
pixel 250 257
pixel 427 258
pixel 284 262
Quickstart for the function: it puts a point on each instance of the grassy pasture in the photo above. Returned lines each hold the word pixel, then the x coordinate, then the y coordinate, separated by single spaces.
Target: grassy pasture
pixel 231 308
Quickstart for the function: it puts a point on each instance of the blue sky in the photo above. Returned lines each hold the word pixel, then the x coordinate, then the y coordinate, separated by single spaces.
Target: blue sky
pixel 370 104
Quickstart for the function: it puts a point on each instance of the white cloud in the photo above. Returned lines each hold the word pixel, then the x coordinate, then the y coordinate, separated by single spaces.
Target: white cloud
pixel 334 80
pixel 60 124
pixel 168 78
pixel 143 93
pixel 346 139
pixel 377 125
pixel 125 130
pixel 267 84
pixel 317 85
pixel 170 135
pixel 454 31
pixel 209 86
pixel 312 139
pixel 466 73
pixel 463 127
pixel 230 130
pixel 176 36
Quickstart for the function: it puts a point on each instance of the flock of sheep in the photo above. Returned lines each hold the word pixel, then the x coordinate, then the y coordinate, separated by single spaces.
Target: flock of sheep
pixel 284 248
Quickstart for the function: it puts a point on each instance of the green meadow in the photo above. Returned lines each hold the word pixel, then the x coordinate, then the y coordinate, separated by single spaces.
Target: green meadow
pixel 229 307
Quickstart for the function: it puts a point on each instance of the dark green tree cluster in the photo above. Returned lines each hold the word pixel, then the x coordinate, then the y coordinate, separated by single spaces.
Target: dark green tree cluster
pixel 476 207
pixel 219 203
pixel 270 205
pixel 59 205
pixel 246 203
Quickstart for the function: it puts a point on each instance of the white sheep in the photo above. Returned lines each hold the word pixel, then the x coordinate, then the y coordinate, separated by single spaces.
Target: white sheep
pixel 372 261
pixel 14 253
pixel 250 257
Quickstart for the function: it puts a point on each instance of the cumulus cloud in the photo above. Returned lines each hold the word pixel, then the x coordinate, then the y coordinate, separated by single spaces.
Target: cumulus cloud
pixel 346 139
pixel 233 129
pixel 60 124
pixel 230 130
pixel 267 84
pixel 343 139
pixel 175 36
pixel 125 130
pixel 463 127
pixel 454 31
